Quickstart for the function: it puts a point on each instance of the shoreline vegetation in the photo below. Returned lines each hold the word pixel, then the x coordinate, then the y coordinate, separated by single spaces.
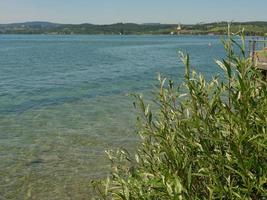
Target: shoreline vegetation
pixel 207 140
pixel 256 28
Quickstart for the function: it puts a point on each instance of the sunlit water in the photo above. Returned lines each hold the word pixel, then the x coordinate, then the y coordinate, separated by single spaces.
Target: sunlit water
pixel 63 101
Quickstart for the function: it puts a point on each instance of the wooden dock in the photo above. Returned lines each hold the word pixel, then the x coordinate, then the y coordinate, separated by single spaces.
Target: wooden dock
pixel 258 54
pixel 261 59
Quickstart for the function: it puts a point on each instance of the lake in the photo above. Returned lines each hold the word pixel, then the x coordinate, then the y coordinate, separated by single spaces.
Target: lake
pixel 64 101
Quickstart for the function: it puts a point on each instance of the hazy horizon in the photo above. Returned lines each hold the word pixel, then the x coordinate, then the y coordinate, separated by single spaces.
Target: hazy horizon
pixel 125 11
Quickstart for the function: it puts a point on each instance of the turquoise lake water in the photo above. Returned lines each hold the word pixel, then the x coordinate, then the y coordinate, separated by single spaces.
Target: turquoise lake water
pixel 63 101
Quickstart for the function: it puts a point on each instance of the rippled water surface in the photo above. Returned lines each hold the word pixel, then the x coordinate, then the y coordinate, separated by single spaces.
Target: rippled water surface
pixel 63 101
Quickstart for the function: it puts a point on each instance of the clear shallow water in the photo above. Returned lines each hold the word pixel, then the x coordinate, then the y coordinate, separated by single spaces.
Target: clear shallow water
pixel 63 102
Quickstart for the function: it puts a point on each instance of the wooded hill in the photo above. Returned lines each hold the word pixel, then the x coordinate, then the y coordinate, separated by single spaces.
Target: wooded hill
pixel 252 28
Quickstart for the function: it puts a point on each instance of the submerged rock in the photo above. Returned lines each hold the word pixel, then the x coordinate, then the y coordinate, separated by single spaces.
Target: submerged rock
pixel 35 161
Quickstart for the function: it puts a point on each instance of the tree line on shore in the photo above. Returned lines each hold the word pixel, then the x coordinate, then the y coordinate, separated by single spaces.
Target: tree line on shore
pixel 218 28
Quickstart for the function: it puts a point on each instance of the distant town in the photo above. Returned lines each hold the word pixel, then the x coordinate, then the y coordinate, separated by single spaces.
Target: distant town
pixel 217 28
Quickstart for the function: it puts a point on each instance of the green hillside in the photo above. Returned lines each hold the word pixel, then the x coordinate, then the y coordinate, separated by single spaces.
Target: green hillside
pixel 251 28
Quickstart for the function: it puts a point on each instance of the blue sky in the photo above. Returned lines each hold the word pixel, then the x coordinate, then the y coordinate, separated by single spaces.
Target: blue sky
pixel 138 11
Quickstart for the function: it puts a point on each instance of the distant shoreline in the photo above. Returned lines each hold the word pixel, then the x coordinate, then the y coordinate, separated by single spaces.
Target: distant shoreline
pixel 113 34
pixel 43 34
pixel 47 28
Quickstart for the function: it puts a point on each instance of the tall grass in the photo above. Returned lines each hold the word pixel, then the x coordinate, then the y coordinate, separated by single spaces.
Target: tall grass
pixel 207 140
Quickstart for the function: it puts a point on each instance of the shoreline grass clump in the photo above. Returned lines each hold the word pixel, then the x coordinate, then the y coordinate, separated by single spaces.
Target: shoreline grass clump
pixel 207 140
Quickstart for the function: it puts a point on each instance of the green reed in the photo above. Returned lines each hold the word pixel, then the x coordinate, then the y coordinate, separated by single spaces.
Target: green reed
pixel 206 140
